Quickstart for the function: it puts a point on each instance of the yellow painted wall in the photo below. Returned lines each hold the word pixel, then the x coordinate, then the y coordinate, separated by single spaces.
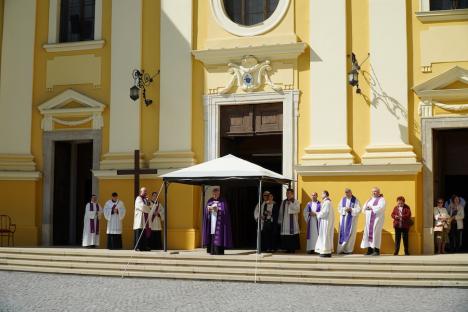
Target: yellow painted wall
pixel 18 199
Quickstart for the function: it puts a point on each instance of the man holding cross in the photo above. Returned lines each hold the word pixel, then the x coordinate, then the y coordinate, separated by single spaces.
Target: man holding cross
pixel 141 224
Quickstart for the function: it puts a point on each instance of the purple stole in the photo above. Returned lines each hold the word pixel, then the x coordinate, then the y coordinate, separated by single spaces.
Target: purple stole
pixel 147 229
pixel 372 220
pixel 94 228
pixel 345 225
pixel 309 209
pixel 113 208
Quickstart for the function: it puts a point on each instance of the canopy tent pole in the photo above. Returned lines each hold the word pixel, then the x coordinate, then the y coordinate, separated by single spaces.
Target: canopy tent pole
pixel 165 215
pixel 259 239
pixel 202 211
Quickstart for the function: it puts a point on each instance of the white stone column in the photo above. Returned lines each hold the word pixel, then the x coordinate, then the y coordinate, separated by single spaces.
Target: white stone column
pixel 389 84
pixel 175 121
pixel 328 86
pixel 126 50
pixel 16 85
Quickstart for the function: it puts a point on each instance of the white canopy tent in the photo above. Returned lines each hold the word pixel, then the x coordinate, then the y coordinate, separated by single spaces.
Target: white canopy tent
pixel 227 169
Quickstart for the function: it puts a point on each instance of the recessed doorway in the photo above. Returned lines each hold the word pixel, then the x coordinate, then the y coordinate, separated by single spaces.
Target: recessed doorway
pixel 253 132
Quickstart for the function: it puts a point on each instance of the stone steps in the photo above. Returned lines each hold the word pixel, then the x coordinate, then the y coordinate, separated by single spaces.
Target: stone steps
pixel 419 271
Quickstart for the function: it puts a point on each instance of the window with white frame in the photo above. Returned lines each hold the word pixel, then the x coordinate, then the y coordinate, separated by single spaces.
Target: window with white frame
pixel 74 21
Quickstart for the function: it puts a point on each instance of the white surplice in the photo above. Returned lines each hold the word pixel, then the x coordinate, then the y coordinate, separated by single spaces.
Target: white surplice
pixel 114 220
pixel 348 246
pixel 155 219
pixel 326 220
pixel 89 238
pixel 142 206
pixel 313 226
pixel 379 210
pixel 288 209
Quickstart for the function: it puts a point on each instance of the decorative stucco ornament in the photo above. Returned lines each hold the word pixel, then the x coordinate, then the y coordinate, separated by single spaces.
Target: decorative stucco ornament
pixel 249 75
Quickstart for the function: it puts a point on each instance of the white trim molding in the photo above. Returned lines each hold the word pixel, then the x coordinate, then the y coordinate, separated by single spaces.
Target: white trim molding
pixel 432 92
pixel 290 100
pixel 54 23
pixel 219 13
pixel 287 51
pixel 90 110
pixel 74 46
pixel 20 175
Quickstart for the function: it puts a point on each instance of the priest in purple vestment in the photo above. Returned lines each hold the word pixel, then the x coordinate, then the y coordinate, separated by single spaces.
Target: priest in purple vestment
pixel 216 233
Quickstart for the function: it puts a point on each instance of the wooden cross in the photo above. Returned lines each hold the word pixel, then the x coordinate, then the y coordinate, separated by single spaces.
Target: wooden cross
pixel 137 171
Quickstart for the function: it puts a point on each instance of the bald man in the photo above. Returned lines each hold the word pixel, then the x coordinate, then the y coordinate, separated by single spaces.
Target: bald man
pixel 374 209
pixel 141 225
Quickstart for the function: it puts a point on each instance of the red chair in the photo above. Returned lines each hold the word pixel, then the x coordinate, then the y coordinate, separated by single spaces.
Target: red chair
pixel 7 229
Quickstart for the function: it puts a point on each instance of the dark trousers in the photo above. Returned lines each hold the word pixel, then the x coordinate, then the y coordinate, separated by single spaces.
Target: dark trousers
pixel 156 241
pixel 143 243
pixel 398 233
pixel 114 241
pixel 213 249
pixel 455 237
pixel 267 236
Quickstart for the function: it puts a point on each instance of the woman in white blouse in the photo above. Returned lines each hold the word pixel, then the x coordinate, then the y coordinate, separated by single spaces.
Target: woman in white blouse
pixel 442 225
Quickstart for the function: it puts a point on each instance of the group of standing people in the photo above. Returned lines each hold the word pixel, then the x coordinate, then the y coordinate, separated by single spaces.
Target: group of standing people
pixel 147 224
pixel 279 224
pixel 448 226
pixel 320 218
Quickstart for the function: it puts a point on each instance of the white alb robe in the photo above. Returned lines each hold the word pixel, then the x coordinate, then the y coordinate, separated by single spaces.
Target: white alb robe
pixel 348 246
pixel 287 209
pixel 141 207
pixel 326 220
pixel 155 220
pixel 379 210
pixel 313 225
pixel 89 238
pixel 114 221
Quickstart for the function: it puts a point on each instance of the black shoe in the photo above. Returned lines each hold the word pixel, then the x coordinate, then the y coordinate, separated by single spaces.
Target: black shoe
pixel 376 252
pixel 395 253
pixel 325 255
pixel 370 251
pixel 310 252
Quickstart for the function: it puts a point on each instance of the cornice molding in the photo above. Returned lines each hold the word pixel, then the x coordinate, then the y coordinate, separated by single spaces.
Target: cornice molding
pixel 287 51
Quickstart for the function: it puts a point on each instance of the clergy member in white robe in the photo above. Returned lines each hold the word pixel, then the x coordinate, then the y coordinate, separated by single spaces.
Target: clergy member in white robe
pixel 310 217
pixel 91 223
pixel 141 225
pixel 349 209
pixel 114 212
pixel 326 220
pixel 374 210
pixel 156 219
pixel 289 220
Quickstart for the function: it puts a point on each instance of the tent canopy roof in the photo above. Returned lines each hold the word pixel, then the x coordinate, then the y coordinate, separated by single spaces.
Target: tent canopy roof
pixel 226 169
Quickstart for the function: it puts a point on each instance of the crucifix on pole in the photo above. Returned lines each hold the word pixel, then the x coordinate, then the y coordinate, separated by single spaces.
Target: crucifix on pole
pixel 136 172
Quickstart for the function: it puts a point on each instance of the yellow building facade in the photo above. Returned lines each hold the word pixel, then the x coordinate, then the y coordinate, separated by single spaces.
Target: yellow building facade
pixel 67 123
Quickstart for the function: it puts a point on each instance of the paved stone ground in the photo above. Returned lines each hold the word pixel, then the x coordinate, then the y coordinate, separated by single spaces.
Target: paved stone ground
pixel 54 292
